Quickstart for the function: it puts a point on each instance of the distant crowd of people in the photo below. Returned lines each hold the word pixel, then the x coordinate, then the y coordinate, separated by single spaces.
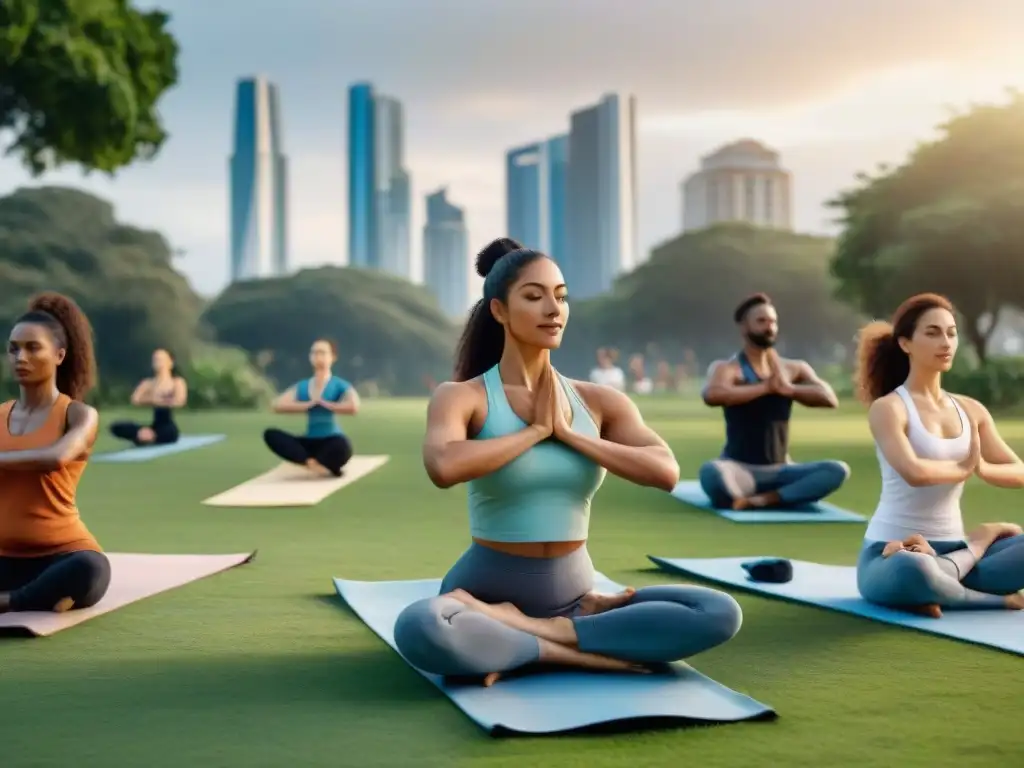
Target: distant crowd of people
pixel 666 377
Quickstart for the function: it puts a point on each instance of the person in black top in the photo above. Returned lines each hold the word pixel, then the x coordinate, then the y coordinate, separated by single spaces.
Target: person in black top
pixel 163 392
pixel 756 390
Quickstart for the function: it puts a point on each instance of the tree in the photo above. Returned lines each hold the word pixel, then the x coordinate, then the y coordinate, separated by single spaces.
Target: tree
pixel 948 220
pixel 80 82
pixel 683 296
pixel 388 330
pixel 55 238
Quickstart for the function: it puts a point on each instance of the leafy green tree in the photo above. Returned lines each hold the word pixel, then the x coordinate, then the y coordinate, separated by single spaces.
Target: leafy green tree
pixel 388 331
pixel 80 81
pixel 948 220
pixel 683 297
pixel 54 238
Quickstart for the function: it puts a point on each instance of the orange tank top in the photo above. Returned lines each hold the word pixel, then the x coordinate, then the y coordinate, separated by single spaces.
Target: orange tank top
pixel 38 514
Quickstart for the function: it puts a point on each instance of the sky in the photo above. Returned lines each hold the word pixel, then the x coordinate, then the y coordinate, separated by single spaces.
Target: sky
pixel 837 87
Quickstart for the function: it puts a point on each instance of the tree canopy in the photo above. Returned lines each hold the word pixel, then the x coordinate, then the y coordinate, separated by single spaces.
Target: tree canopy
pixel 949 220
pixel 80 82
pixel 61 239
pixel 387 330
pixel 684 295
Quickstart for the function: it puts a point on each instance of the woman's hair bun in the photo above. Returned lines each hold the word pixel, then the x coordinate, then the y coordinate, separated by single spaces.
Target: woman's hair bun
pixel 493 252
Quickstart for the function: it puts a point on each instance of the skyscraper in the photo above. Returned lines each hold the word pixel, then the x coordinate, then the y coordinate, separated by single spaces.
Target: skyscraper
pixel 379 187
pixel 258 173
pixel 600 207
pixel 446 254
pixel 394 209
pixel 535 177
pixel 742 181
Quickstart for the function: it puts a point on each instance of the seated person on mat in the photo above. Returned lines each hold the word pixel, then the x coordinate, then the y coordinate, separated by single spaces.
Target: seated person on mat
pixel 163 392
pixel 533 448
pixel 756 390
pixel 916 555
pixel 324 448
pixel 48 559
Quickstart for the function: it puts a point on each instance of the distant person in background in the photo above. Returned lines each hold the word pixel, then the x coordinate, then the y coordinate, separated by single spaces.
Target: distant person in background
pixel 607 373
pixel 642 384
pixel 48 559
pixel 324 448
pixel 663 378
pixel 163 392
pixel 756 390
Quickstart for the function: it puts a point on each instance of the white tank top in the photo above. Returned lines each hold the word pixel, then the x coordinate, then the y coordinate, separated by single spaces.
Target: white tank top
pixel 931 510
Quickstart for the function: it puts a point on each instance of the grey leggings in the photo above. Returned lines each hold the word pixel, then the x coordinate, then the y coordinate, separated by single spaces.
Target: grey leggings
pixel 659 624
pixel 724 481
pixel 951 579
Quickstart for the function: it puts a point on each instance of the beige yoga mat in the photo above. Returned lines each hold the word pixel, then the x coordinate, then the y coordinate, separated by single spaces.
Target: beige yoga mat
pixel 132 578
pixel 292 485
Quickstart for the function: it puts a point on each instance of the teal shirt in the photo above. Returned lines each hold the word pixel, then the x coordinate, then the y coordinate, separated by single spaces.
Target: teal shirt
pixel 542 495
pixel 321 422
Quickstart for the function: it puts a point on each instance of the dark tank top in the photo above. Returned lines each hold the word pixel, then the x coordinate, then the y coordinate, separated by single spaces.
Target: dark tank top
pixel 162 416
pixel 757 432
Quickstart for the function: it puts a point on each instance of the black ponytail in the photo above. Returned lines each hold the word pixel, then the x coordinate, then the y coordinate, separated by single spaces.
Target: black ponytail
pixel 483 338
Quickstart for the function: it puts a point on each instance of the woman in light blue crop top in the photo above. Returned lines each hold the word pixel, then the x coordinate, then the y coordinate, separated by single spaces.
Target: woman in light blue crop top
pixel 533 448
pixel 324 448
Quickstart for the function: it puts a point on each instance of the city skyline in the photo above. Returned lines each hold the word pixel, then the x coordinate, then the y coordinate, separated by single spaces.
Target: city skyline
pixel 257 183
pixel 837 93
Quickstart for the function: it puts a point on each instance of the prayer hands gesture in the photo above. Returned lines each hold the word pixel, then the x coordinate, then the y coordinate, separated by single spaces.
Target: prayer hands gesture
pixel 543 395
pixel 779 382
pixel 549 405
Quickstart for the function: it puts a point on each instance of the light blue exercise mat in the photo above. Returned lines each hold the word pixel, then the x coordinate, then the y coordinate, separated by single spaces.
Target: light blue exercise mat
pixel 690 492
pixel 556 701
pixel 150 452
pixel 835 587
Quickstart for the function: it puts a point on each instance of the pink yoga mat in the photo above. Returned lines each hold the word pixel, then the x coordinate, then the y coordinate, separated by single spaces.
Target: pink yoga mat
pixel 133 577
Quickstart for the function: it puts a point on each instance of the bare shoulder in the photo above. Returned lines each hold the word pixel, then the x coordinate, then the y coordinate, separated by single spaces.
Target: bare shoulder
pixel 975 409
pixel 724 365
pixel 601 398
pixel 451 394
pixel 80 413
pixel 887 408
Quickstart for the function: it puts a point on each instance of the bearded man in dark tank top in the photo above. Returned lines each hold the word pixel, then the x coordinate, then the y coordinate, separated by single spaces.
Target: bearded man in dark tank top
pixel 756 389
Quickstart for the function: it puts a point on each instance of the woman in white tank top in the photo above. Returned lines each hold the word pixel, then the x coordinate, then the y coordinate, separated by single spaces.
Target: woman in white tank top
pixel 916 554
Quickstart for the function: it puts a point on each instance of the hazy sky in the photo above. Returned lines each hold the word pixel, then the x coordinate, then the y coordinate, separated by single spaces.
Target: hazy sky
pixel 836 86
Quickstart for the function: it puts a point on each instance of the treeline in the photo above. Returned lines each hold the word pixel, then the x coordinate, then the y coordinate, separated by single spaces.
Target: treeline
pixel 237 350
pixel 84 89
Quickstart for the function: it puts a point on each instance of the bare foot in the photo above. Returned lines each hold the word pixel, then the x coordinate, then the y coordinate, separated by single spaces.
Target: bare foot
pixel 557 630
pixel 599 602
pixel 506 613
pixel 930 611
pixel 1015 602
pixel 757 501
pixel 317 468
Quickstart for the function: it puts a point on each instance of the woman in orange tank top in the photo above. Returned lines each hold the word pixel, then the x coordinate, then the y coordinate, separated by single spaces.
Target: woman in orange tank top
pixel 48 559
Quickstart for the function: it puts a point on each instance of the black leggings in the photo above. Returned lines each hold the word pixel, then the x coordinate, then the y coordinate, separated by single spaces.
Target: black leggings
pixel 40 583
pixel 129 430
pixel 331 452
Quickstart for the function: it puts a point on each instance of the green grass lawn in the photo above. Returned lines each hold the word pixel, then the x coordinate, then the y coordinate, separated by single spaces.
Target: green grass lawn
pixel 263 666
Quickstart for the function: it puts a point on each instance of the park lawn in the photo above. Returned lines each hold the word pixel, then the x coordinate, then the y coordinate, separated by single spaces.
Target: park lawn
pixel 263 666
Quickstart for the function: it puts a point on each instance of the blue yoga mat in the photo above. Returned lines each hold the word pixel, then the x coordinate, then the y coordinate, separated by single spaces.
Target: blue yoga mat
pixel 150 452
pixel 689 492
pixel 558 701
pixel 835 587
